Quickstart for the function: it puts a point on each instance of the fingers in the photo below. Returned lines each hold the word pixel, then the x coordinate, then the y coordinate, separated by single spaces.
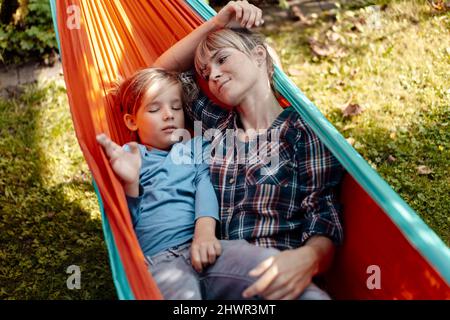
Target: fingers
pixel 258 19
pixel 245 17
pixel 261 284
pixel 110 146
pixel 211 251
pixel 204 255
pixel 279 288
pixel 218 248
pixel 196 259
pixel 283 293
pixel 251 16
pixel 238 9
pixel 262 267
pixel 251 19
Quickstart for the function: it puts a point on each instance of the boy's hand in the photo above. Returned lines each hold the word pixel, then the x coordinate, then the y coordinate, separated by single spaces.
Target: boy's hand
pixel 238 14
pixel 204 252
pixel 205 247
pixel 125 164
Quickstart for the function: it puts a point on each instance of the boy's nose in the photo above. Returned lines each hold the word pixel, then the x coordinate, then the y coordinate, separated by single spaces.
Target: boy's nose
pixel 168 114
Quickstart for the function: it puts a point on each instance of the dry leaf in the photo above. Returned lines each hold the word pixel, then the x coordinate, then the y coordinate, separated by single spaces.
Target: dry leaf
pixel 424 170
pixel 351 141
pixel 294 71
pixel 320 49
pixel 303 20
pixel 333 36
pixel 391 159
pixel 351 109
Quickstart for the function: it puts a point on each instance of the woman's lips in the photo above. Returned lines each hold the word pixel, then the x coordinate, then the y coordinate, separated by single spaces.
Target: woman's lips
pixel 223 83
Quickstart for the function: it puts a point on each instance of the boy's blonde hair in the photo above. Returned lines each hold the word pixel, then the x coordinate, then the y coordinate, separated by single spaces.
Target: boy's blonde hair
pixel 239 39
pixel 129 93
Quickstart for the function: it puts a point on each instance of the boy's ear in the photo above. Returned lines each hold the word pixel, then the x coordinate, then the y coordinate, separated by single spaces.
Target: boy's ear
pixel 130 122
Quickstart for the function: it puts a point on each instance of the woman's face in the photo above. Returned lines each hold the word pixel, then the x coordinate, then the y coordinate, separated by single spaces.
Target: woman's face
pixel 231 75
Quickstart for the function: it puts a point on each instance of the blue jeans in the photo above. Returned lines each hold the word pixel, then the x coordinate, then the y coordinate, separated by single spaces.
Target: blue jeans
pixel 227 278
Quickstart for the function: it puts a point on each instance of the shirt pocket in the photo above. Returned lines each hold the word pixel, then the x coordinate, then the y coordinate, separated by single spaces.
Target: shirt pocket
pixel 277 174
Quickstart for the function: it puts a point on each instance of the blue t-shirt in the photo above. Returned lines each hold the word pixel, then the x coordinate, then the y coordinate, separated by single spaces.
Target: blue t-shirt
pixel 175 189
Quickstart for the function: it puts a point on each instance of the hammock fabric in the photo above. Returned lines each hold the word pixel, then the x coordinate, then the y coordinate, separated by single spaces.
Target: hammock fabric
pixel 100 40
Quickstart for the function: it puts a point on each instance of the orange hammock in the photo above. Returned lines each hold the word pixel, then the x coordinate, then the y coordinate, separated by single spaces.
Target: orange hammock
pixel 384 238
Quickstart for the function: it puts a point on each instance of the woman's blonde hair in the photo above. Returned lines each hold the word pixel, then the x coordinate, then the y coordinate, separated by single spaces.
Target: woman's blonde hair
pixel 239 39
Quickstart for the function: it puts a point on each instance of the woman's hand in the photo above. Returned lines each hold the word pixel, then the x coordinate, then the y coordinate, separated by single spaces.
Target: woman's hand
pixel 125 164
pixel 238 14
pixel 284 276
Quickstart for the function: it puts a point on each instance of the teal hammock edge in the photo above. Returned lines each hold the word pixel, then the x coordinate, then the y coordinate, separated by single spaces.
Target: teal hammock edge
pixel 418 233
pixel 123 288
pixel 120 280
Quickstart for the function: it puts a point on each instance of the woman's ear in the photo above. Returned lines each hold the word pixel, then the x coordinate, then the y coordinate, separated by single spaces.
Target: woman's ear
pixel 130 122
pixel 259 53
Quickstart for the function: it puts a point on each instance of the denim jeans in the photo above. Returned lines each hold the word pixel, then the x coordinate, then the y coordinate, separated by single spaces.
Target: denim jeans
pixel 227 278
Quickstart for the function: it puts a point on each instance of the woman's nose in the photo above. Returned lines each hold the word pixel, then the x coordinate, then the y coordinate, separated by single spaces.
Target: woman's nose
pixel 215 73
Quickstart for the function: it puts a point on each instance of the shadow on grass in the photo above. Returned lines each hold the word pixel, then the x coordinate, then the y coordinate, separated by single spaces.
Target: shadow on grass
pixel 45 228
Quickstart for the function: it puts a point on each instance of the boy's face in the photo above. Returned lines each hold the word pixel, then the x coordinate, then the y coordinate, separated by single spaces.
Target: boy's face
pixel 160 114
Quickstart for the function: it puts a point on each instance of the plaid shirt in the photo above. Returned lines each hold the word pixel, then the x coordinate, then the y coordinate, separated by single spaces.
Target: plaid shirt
pixel 287 203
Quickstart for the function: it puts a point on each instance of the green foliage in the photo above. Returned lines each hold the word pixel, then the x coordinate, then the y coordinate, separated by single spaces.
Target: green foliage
pixel 29 38
pixel 49 213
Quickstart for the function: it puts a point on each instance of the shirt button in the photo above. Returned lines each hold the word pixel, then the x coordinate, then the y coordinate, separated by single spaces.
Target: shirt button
pixel 231 181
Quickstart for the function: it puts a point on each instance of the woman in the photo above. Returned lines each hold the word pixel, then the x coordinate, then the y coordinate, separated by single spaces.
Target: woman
pixel 289 203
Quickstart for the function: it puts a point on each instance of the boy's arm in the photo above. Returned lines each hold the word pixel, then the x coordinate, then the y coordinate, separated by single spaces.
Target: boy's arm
pixel 180 57
pixel 205 246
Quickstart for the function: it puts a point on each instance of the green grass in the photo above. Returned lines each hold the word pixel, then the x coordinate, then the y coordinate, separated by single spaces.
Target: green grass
pixel 49 212
pixel 395 65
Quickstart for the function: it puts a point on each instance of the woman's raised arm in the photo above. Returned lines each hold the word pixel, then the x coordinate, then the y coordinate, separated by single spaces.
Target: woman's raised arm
pixel 180 57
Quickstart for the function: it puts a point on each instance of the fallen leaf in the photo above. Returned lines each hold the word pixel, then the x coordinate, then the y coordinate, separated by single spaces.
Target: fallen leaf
pixel 294 71
pixel 320 49
pixel 352 109
pixel 391 159
pixel 333 36
pixel 351 141
pixel 424 170
pixel 303 20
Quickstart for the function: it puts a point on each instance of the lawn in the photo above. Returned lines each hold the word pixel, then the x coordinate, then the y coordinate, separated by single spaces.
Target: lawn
pixel 391 65
pixel 49 212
